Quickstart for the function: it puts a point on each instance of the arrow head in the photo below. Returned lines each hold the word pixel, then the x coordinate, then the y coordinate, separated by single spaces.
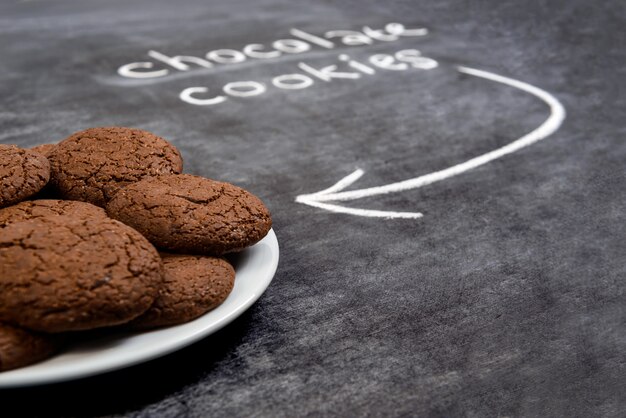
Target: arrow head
pixel 320 198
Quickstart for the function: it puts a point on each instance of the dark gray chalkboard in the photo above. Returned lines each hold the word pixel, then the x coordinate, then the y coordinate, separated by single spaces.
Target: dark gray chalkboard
pixel 505 299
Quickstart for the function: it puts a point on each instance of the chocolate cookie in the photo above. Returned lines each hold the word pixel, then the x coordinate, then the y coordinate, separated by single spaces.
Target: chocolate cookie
pixel 32 209
pixel 59 273
pixel 193 285
pixel 92 165
pixel 22 174
pixel 191 214
pixel 19 347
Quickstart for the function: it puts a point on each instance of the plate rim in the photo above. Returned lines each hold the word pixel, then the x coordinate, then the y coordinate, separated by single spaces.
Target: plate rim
pixel 15 379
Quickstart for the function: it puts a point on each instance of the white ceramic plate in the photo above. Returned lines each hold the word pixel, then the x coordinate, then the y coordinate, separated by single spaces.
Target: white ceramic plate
pixel 255 269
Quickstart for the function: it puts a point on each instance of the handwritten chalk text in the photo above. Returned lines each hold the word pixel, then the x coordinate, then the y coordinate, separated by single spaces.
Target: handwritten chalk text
pixel 400 61
pixel 307 75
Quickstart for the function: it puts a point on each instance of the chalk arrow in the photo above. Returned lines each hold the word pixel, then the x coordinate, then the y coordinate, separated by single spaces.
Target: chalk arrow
pixel 334 193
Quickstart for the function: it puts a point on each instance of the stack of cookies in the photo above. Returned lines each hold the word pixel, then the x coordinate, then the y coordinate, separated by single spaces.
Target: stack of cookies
pixel 102 230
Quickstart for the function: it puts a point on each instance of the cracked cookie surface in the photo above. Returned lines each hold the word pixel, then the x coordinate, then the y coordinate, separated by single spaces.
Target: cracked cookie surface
pixel 22 174
pixel 192 286
pixel 33 209
pixel 59 273
pixel 192 215
pixel 19 347
pixel 92 165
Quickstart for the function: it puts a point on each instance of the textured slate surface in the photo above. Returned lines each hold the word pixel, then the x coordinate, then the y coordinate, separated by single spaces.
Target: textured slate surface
pixel 505 299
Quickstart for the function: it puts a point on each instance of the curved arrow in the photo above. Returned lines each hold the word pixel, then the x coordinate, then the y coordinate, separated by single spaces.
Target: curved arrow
pixel 334 193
